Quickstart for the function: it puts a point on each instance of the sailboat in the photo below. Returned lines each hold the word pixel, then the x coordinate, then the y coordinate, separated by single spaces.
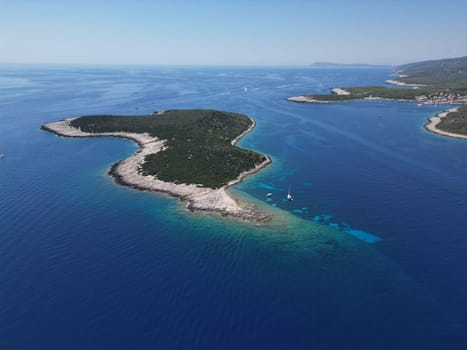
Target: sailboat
pixel 289 196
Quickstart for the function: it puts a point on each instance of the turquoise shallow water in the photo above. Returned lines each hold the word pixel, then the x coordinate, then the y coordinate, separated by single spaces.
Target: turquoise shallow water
pixel 370 254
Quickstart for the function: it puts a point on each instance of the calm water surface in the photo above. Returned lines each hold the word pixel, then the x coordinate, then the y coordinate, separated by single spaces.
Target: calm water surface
pixel 370 255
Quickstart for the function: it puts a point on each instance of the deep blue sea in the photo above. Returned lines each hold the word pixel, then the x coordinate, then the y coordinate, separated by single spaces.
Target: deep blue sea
pixel 371 254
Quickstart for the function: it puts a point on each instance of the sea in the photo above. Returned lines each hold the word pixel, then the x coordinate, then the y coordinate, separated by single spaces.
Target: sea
pixel 371 254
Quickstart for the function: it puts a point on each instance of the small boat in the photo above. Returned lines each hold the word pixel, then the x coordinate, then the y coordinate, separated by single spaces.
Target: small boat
pixel 289 196
pixel 269 194
pixel 2 156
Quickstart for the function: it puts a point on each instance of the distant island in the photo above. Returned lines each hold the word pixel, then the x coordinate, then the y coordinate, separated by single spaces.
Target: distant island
pixel 429 82
pixel 189 154
pixel 333 65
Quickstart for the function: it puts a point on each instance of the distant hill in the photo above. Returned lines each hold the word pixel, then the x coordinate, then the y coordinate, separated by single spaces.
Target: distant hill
pixel 331 65
pixel 450 71
pixel 441 81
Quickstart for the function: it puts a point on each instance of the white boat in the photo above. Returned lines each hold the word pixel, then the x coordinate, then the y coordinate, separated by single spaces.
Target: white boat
pixel 269 194
pixel 289 196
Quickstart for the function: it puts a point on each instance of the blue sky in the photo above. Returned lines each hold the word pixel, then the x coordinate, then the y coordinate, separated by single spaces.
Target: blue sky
pixel 240 32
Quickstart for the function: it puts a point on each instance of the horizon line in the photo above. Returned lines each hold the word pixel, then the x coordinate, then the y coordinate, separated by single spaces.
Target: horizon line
pixel 305 65
pixel 317 62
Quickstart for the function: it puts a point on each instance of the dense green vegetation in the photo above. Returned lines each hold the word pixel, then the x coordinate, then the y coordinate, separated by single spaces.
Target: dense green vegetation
pixel 455 122
pixel 446 72
pixel 199 144
pixel 390 93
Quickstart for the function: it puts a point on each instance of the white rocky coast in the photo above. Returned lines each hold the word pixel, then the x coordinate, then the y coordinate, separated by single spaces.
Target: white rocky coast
pixel 126 172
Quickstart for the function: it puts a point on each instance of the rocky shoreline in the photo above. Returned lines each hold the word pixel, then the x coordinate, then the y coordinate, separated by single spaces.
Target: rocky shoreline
pixel 401 83
pixel 306 99
pixel 197 198
pixel 434 121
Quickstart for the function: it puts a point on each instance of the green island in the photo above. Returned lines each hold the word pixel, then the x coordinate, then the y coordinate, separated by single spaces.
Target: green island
pixel 198 148
pixel 429 82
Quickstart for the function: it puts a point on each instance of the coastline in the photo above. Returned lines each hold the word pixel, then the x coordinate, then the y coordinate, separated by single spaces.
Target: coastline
pixel 400 83
pixel 304 99
pixel 340 91
pixel 434 121
pixel 126 172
